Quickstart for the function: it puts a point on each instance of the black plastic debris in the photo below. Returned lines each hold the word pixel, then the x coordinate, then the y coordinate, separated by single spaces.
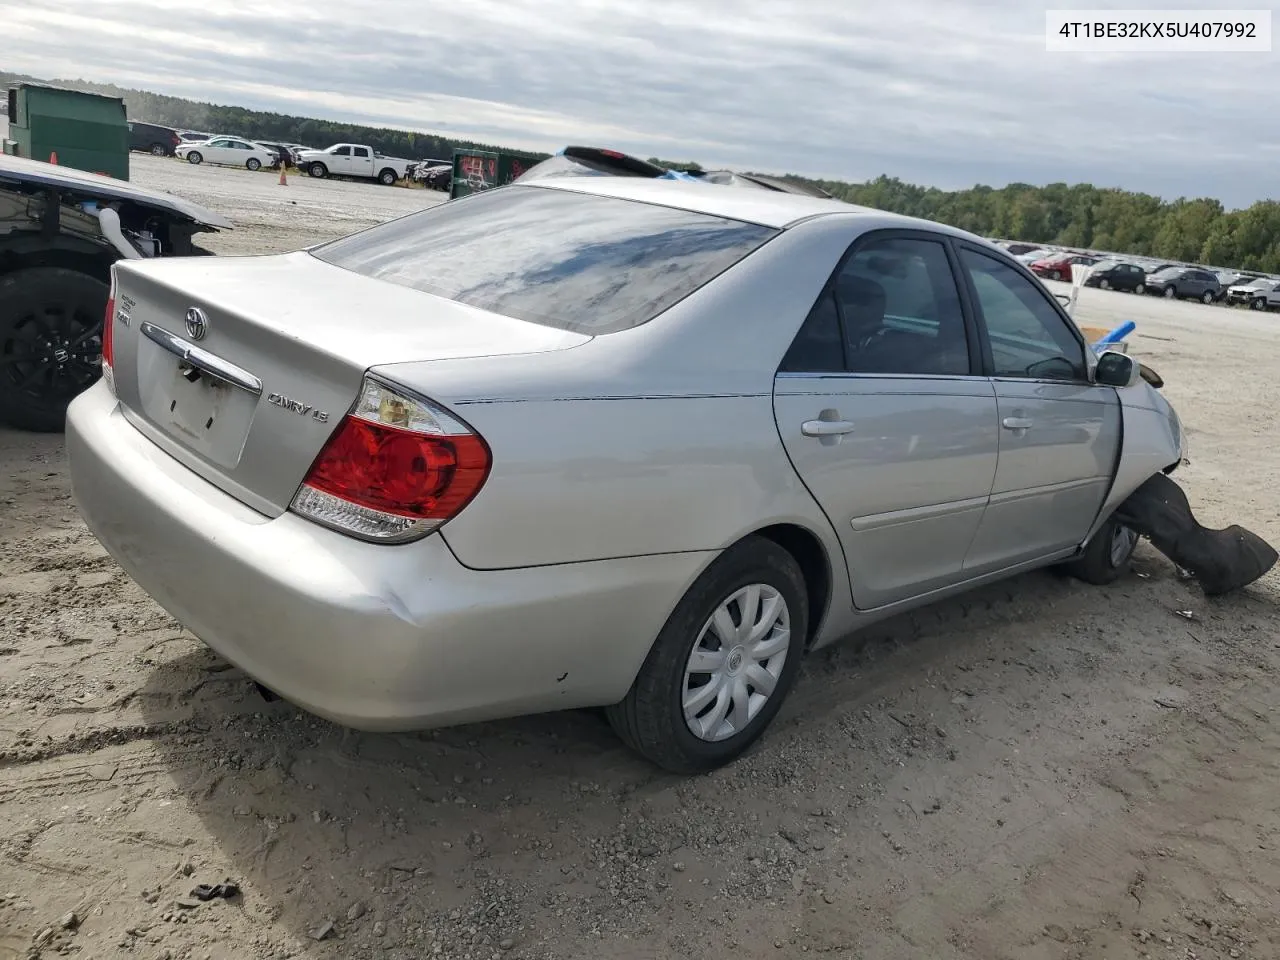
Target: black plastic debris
pixel 218 891
pixel 1221 560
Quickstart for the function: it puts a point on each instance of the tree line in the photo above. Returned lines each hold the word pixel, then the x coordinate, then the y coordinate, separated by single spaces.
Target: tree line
pixel 1080 215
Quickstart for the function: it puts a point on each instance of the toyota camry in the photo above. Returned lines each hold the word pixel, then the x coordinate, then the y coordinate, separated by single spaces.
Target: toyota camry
pixel 606 441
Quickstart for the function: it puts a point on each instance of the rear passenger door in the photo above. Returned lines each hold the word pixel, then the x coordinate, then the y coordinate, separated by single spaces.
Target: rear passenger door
pixel 884 418
pixel 1059 432
pixel 361 161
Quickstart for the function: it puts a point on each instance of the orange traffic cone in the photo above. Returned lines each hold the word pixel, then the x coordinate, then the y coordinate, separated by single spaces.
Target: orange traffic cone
pixel 53 158
pixel 284 181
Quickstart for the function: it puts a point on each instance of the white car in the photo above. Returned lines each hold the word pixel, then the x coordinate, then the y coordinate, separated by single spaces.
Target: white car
pixel 231 151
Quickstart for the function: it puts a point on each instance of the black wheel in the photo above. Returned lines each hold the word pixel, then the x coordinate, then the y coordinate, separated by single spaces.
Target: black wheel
pixel 194 157
pixel 1106 557
pixel 387 177
pixel 1207 297
pixel 1258 303
pixel 1055 275
pixel 1104 284
pixel 254 164
pixel 318 170
pixel 723 663
pixel 158 150
pixel 1170 292
pixel 50 343
pixel 1140 288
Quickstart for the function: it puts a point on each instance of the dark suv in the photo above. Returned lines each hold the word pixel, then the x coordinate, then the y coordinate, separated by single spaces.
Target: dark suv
pixel 153 138
pixel 1185 283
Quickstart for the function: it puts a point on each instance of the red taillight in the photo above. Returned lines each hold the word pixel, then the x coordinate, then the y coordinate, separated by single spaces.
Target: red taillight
pixel 108 335
pixel 396 468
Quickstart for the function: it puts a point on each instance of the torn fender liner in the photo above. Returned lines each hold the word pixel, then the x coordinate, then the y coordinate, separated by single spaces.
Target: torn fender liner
pixel 1222 560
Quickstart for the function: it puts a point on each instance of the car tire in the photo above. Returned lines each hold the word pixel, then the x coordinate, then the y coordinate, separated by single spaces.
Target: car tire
pixel 318 170
pixel 158 150
pixel 1170 293
pixel 652 717
pixel 1207 297
pixel 1258 303
pixel 1140 288
pixel 34 393
pixel 1106 557
pixel 1055 275
pixel 388 177
pixel 194 157
pixel 1104 284
pixel 254 164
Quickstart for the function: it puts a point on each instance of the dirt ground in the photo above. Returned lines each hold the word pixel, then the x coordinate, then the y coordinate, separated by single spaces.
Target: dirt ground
pixel 1038 771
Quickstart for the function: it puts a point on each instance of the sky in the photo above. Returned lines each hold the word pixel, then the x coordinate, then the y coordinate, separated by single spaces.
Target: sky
pixel 946 93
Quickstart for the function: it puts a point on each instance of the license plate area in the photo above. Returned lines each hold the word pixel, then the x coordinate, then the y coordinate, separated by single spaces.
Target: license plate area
pixel 206 414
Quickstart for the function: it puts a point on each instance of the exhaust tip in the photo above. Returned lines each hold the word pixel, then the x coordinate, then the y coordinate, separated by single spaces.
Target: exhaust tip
pixel 268 695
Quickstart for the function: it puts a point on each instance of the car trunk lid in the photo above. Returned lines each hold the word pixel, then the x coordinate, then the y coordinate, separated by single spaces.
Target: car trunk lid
pixel 241 368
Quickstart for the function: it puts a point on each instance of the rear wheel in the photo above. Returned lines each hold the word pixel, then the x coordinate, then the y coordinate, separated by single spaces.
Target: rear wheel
pixel 1170 293
pixel 158 150
pixel 1106 557
pixel 1140 288
pixel 1207 297
pixel 318 170
pixel 723 663
pixel 50 343
pixel 254 164
pixel 194 157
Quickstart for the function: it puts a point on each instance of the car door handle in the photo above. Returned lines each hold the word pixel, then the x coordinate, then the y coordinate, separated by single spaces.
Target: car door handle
pixel 1016 423
pixel 826 428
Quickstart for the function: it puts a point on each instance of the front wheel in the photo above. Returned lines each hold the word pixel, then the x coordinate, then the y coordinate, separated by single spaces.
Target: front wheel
pixel 318 170
pixel 723 663
pixel 1104 284
pixel 1258 304
pixel 158 150
pixel 1140 288
pixel 1055 275
pixel 1106 557
pixel 194 157
pixel 1170 293
pixel 387 177
pixel 50 343
pixel 254 164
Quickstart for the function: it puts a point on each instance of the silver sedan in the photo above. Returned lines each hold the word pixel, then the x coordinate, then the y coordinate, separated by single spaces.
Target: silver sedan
pixel 597 442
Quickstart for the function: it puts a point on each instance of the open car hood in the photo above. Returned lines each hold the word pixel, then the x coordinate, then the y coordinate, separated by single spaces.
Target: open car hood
pixel 95 186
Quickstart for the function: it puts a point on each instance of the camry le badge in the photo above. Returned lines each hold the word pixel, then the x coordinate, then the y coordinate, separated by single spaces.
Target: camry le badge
pixel 197 323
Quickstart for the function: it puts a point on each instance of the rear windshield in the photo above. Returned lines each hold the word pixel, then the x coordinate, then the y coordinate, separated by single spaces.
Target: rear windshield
pixel 582 263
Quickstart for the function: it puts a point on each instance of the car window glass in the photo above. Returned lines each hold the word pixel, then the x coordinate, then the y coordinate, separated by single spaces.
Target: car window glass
pixel 900 310
pixel 608 265
pixel 361 151
pixel 1028 336
pixel 343 151
pixel 818 347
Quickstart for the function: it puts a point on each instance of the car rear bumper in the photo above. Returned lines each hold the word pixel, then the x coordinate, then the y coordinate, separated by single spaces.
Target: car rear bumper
pixel 371 636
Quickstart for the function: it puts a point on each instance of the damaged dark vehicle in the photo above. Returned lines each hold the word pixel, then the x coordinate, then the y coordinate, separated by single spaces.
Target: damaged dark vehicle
pixel 60 231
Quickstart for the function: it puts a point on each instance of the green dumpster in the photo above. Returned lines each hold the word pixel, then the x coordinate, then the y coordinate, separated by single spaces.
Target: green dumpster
pixel 86 131
pixel 476 170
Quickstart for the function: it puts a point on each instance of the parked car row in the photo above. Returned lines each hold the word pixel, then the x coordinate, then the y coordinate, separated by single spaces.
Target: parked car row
pixel 1175 281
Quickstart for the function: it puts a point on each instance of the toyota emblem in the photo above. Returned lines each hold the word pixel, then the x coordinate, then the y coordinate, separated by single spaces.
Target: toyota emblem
pixel 197 323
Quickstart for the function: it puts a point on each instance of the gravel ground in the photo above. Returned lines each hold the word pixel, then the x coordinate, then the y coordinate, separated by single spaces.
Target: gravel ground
pixel 1039 770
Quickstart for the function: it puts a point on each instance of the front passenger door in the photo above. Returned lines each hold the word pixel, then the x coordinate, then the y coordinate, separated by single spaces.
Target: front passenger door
pixel 885 420
pixel 341 162
pixel 1059 433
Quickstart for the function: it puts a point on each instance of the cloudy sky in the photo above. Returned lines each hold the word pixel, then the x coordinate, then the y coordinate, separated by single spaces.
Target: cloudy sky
pixel 941 92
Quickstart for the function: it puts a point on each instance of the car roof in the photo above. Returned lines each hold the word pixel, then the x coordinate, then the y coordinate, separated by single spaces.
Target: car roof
pixel 768 208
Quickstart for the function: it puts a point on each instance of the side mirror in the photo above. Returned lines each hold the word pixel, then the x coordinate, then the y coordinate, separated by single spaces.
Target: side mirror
pixel 1116 370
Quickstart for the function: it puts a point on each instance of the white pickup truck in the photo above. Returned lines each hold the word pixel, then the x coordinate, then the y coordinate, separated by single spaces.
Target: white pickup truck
pixel 352 160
